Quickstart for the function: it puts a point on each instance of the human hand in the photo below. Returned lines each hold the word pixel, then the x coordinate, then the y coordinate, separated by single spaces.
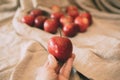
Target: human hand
pixel 51 70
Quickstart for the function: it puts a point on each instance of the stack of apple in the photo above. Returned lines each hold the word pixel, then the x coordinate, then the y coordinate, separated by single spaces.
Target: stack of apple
pixel 70 21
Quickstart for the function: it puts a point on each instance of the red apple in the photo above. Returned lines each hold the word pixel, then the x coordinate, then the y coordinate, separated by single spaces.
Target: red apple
pixel 60 47
pixel 36 12
pixel 39 21
pixel 56 15
pixel 56 8
pixel 82 22
pixel 51 25
pixel 71 7
pixel 28 19
pixel 87 15
pixel 66 19
pixel 73 13
pixel 70 29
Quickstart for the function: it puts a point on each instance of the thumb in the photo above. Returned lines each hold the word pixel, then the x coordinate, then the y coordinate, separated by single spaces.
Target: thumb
pixel 52 62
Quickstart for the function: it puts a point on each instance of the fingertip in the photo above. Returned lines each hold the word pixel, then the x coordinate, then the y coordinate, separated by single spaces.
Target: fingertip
pixel 52 61
pixel 51 56
pixel 73 56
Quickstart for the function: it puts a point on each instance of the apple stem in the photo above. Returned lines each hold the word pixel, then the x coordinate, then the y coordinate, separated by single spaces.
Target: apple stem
pixel 60 32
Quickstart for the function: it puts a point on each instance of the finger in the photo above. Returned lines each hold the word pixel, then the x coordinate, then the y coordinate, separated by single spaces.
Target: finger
pixel 69 62
pixel 46 63
pixel 52 62
pixel 66 68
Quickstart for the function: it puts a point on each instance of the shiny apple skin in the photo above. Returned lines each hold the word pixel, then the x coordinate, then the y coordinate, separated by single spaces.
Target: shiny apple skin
pixel 66 19
pixel 51 25
pixel 87 15
pixel 71 7
pixel 39 21
pixel 82 22
pixel 36 12
pixel 73 13
pixel 60 47
pixel 56 8
pixel 70 29
pixel 28 19
pixel 56 15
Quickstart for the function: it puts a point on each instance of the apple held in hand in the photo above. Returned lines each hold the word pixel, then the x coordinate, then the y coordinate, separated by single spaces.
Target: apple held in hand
pixel 60 47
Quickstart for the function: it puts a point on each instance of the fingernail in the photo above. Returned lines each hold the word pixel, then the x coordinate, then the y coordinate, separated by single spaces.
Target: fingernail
pixel 50 58
pixel 73 56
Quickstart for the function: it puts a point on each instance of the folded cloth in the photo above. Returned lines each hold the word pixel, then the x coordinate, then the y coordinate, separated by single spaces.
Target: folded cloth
pixel 105 9
pixel 97 58
pixel 8 7
pixel 20 57
pixel 12 49
pixel 97 51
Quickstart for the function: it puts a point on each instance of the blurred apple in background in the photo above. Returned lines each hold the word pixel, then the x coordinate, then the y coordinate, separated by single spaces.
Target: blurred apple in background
pixel 28 19
pixel 70 29
pixel 87 15
pixel 72 11
pixel 66 19
pixel 60 47
pixel 36 12
pixel 71 7
pixel 56 15
pixel 82 22
pixel 51 25
pixel 56 8
pixel 39 21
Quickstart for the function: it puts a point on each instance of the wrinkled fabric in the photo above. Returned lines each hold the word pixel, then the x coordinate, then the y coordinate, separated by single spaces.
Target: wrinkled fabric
pixel 23 49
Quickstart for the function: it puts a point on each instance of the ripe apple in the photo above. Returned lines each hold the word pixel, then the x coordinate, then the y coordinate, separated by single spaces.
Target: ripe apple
pixel 70 29
pixel 50 25
pixel 73 13
pixel 66 19
pixel 39 21
pixel 71 7
pixel 87 15
pixel 36 12
pixel 56 15
pixel 82 22
pixel 56 8
pixel 60 47
pixel 28 19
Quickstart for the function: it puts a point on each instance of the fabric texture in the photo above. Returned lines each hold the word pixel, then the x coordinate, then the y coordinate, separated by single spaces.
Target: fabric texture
pixel 23 49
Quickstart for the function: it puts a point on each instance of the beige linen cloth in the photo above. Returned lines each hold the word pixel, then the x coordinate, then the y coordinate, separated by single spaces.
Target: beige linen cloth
pixel 97 51
pixel 20 57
